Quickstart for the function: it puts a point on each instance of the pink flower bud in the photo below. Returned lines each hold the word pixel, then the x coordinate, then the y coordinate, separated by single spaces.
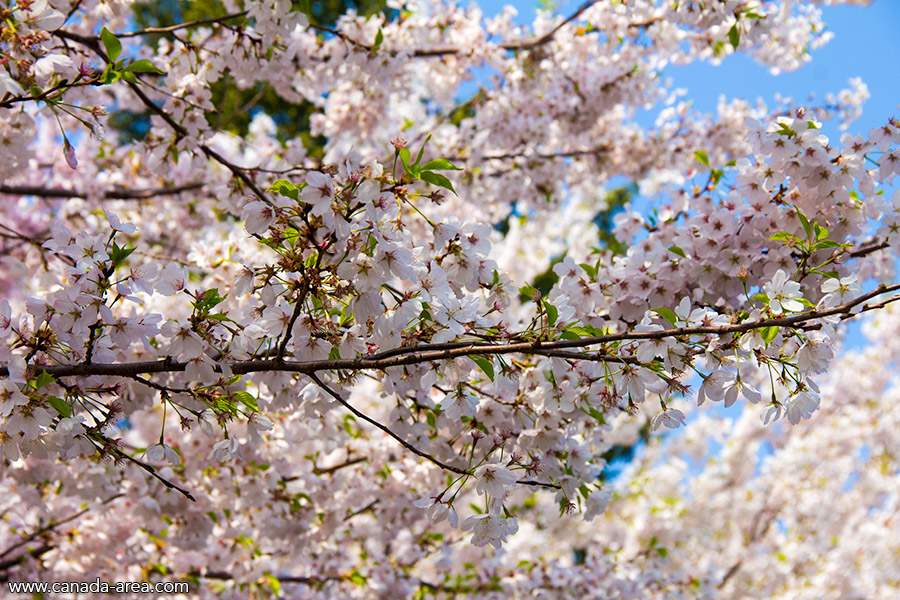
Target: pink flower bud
pixel 69 153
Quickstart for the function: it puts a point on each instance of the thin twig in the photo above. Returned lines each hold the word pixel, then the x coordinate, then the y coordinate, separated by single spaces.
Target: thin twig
pixel 171 28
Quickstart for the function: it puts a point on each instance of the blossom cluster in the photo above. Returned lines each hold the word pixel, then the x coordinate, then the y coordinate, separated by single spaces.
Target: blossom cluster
pixel 381 368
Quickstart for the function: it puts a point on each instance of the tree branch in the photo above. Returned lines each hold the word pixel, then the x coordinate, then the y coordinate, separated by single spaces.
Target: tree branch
pixel 385 428
pixel 172 28
pixel 117 194
pixel 422 353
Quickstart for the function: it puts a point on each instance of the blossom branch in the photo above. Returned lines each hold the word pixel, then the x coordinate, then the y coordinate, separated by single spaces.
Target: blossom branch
pixel 422 353
pixel 522 45
pixel 185 25
pixel 331 392
pixel 240 173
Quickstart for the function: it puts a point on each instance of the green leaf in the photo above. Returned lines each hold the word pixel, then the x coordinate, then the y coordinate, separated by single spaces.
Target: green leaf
pixel 579 332
pixel 422 149
pixel 247 399
pixel 768 334
pixel 118 255
pixel 404 156
pixel 357 578
pixel 783 236
pixel 552 313
pixel 667 313
pixel 678 251
pixel 485 365
pixel 806 226
pixel 591 270
pixel 529 291
pixel 438 180
pixel 821 232
pixel 129 77
pixel 142 65
pixel 43 379
pixel 379 37
pixel 111 43
pixel 734 36
pixel 702 157
pixel 61 406
pixel 828 244
pixel 286 189
pixel 784 129
pixel 273 584
pixel 596 414
pixel 209 299
pixel 440 164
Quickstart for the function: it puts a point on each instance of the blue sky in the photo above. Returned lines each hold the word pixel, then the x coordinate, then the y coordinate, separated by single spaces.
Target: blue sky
pixel 866 44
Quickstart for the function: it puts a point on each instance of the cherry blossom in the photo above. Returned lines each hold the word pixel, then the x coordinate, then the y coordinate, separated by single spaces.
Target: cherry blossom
pixel 404 358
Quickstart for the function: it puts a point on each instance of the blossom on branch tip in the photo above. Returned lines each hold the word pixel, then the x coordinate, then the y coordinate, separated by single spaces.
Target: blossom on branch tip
pixel 258 217
pixel 671 418
pixel 159 452
pixel 493 479
pixel 489 528
pixel 782 294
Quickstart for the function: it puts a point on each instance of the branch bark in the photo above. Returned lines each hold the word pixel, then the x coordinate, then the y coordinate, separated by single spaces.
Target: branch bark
pixel 423 353
pixel 119 194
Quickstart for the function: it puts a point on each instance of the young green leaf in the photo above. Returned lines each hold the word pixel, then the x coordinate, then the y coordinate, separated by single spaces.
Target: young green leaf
pixel 768 334
pixel 734 36
pixel 286 189
pixel 702 157
pixel 422 150
pixel 485 365
pixel 44 378
pixel 552 313
pixel 667 313
pixel 806 226
pixel 111 43
pixel 247 399
pixel 404 156
pixel 142 65
pixel 440 164
pixel 438 180
pixel 60 405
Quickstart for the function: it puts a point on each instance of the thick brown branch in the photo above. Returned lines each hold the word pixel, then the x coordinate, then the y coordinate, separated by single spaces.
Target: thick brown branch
pixel 118 194
pixel 424 353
